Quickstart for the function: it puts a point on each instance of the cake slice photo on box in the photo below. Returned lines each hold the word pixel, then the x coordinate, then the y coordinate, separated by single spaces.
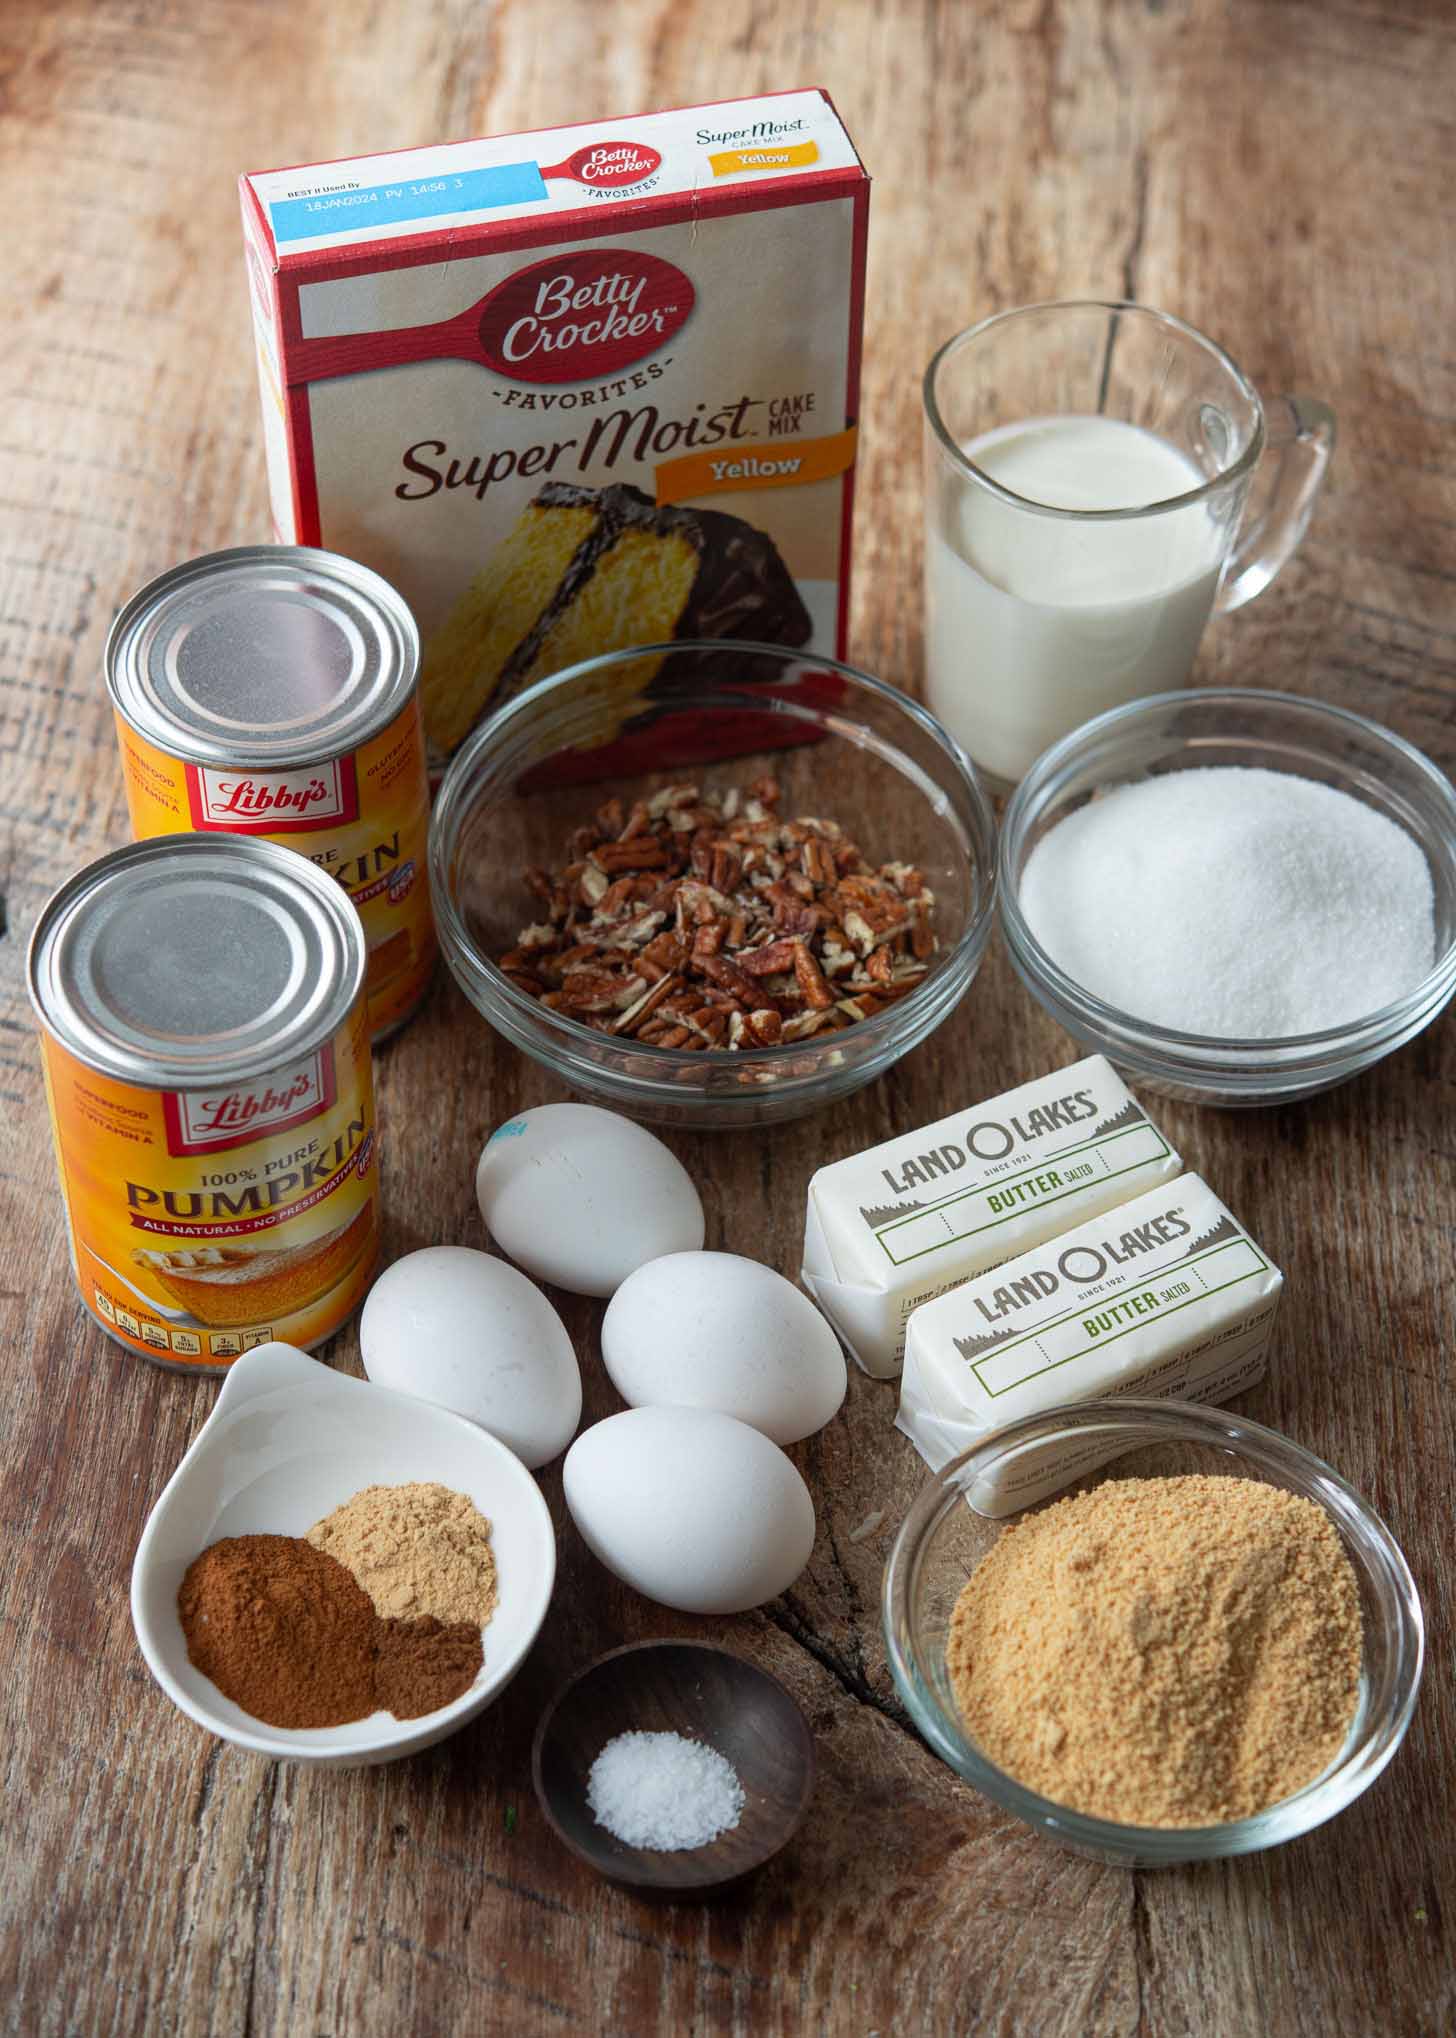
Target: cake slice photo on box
pixel 589 570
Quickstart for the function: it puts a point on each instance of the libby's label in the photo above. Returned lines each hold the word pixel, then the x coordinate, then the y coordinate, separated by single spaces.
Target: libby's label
pixel 362 817
pixel 273 803
pixel 204 1222
pixel 209 1121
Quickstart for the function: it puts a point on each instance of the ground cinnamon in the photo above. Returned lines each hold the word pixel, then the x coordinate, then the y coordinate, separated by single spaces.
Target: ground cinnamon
pixel 287 1632
pixel 282 1629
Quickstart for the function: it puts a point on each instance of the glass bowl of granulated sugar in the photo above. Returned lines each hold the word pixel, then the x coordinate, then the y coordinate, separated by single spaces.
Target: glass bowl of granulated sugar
pixel 1154 1632
pixel 1238 897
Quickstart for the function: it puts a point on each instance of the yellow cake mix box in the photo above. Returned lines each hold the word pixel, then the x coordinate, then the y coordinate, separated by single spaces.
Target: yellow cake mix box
pixel 574 390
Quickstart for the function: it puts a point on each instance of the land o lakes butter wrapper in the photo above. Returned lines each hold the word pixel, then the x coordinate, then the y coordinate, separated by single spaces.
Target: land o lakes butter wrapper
pixel 1166 1298
pixel 892 1228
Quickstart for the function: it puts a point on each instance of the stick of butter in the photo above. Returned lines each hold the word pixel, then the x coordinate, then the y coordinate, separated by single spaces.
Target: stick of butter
pixel 894 1227
pixel 1167 1297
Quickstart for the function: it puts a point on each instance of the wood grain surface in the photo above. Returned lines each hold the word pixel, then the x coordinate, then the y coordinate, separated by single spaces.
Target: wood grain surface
pixel 1279 174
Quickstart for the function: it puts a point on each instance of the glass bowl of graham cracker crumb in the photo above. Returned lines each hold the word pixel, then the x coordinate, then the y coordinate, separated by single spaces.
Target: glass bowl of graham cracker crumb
pixel 1154 1632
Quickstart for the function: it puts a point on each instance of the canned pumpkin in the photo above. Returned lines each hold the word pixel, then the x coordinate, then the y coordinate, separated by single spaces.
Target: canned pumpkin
pixel 272 691
pixel 205 1039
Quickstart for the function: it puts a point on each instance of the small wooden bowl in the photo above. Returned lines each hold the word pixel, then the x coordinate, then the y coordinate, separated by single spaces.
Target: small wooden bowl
pixel 706 1694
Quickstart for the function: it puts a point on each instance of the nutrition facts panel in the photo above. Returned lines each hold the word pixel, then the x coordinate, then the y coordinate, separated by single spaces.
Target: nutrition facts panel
pixel 169 1342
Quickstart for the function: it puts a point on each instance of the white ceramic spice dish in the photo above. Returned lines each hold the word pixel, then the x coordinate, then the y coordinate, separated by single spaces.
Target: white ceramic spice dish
pixel 288 1441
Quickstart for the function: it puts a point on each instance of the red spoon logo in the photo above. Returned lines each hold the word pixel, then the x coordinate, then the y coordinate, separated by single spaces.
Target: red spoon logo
pixel 607 165
pixel 580 316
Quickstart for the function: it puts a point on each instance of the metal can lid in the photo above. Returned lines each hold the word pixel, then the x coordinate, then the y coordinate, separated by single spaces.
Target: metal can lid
pixel 190 960
pixel 265 655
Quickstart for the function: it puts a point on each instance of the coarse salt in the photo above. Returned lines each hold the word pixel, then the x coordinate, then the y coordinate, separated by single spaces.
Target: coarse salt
pixel 663 1792
pixel 1234 903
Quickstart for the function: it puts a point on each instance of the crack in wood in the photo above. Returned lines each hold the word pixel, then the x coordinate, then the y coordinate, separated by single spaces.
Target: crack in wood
pixel 1142 1949
pixel 797 1628
pixel 463 1864
pixel 262 1817
pixel 1132 260
pixel 206 1781
pixel 476 1976
pixel 701 1962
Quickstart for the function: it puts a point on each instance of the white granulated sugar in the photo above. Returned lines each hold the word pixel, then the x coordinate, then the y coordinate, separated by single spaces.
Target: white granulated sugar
pixel 663 1792
pixel 1233 903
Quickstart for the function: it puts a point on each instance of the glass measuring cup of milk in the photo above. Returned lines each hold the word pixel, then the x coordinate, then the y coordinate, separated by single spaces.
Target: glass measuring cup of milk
pixel 1099 477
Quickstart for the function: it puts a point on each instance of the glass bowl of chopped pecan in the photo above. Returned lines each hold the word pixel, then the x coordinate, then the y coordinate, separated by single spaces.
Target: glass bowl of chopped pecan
pixel 713 883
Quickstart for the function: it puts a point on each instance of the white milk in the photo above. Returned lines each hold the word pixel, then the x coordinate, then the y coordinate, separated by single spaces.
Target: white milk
pixel 1033 623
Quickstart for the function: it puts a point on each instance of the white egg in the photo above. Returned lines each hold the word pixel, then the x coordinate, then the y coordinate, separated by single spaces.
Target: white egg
pixel 463 1329
pixel 690 1507
pixel 581 1197
pixel 713 1330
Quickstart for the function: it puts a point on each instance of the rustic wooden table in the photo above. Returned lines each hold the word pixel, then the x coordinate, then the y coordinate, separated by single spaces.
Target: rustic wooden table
pixel 1280 174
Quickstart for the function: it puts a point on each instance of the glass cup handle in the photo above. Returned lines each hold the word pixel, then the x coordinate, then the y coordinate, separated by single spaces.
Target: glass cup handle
pixel 1301 438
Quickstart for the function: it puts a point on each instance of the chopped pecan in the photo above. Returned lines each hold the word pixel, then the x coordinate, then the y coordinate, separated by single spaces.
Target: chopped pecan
pixel 595 990
pixel 729 977
pixel 672 796
pixel 636 1016
pixel 593 887
pixel 817 994
pixel 643 852
pixel 818 861
pixel 773 956
pixel 725 867
pixel 699 922
pixel 665 951
pixel 711 1021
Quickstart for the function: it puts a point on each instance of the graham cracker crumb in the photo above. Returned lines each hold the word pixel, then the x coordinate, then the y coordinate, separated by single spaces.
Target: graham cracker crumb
pixel 1162 1652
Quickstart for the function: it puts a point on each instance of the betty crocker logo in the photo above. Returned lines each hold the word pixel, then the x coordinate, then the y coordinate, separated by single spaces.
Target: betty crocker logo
pixel 609 165
pixel 581 316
